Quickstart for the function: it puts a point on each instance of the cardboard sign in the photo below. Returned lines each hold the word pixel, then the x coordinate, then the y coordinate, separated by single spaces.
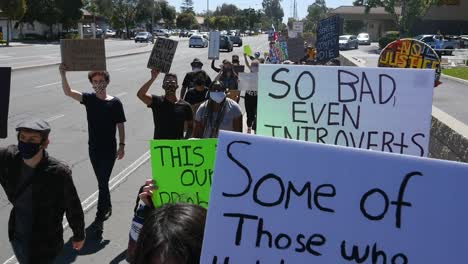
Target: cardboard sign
pixel 248 50
pixel 183 170
pixel 5 83
pixel 328 33
pixel 295 49
pixel 238 68
pixel 83 54
pixel 248 81
pixel 290 202
pixel 410 53
pixel 298 26
pixel 213 48
pixel 162 55
pixel 381 109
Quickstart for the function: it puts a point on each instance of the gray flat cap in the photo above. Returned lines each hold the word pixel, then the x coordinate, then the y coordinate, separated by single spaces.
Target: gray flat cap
pixel 38 125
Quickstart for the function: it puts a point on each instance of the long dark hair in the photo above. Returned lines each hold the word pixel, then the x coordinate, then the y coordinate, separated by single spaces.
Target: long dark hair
pixel 173 231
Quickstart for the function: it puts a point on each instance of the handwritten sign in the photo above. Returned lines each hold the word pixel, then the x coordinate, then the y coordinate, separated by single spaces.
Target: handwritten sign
pixel 248 50
pixel 183 170
pixel 213 48
pixel 238 68
pixel 382 109
pixel 295 49
pixel 83 54
pixel 162 55
pixel 287 202
pixel 292 34
pixel 410 53
pixel 327 45
pixel 298 26
pixel 5 82
pixel 248 81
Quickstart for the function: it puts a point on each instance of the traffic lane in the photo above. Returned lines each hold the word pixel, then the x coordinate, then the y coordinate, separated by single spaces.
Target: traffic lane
pixel 69 135
pixel 452 97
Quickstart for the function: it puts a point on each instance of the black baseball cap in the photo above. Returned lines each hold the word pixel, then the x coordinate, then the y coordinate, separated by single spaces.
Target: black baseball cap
pixel 38 125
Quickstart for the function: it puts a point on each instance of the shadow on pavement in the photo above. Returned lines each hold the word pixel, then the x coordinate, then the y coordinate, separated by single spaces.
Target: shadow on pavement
pixel 92 245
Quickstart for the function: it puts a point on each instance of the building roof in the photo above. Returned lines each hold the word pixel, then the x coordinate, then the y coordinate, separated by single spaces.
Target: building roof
pixel 358 10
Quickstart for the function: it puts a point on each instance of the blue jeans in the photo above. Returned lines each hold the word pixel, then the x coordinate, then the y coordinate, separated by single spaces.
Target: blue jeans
pixel 103 163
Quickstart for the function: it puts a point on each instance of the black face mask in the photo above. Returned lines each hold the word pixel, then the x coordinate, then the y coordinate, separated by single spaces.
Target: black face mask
pixel 28 150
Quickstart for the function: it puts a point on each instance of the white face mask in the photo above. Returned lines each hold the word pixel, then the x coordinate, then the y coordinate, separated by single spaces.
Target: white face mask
pixel 218 97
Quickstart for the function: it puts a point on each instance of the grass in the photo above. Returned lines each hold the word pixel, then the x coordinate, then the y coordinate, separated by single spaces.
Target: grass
pixel 461 73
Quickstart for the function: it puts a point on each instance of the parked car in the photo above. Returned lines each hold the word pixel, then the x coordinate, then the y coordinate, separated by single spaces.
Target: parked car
pixel 193 32
pixel 225 43
pixel 110 33
pixel 144 37
pixel 236 40
pixel 161 33
pixel 363 39
pixel 183 34
pixel 447 45
pixel 198 41
pixel 348 42
pixel 224 32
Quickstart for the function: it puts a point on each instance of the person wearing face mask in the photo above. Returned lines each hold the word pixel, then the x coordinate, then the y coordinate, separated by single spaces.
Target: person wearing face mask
pixel 230 80
pixel 41 190
pixel 196 73
pixel 251 99
pixel 217 113
pixel 105 116
pixel 170 115
pixel 197 95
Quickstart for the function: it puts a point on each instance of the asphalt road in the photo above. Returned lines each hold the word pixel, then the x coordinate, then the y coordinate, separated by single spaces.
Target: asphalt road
pixel 450 97
pixel 37 92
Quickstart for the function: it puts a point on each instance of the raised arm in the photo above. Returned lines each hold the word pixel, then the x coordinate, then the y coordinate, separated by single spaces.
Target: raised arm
pixel 216 69
pixel 143 94
pixel 67 90
pixel 247 63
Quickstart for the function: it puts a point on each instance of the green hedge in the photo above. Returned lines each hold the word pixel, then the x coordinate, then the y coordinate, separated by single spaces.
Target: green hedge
pixel 389 37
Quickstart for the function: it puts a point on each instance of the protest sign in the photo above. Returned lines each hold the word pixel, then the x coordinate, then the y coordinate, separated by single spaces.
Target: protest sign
pixel 5 83
pixel 239 68
pixel 410 53
pixel 248 50
pixel 83 54
pixel 162 55
pixel 292 34
pixel 328 33
pixel 213 48
pixel 183 170
pixel 289 202
pixel 382 109
pixel 248 81
pixel 298 26
pixel 295 49
pixel 283 45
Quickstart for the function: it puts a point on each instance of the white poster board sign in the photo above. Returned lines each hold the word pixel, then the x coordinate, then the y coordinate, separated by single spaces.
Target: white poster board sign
pixel 292 202
pixel 373 108
pixel 213 48
pixel 298 26
pixel 248 81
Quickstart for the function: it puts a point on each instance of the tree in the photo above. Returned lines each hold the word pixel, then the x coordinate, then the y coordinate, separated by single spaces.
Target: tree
pixel 168 13
pixel 13 10
pixel 124 13
pixel 226 10
pixel 187 6
pixel 411 11
pixel 70 12
pixel 186 20
pixel 315 12
pixel 353 27
pixel 274 11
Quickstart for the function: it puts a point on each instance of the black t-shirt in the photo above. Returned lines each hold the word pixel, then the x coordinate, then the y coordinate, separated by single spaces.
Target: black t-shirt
pixel 103 117
pixel 169 118
pixel 195 97
pixel 189 80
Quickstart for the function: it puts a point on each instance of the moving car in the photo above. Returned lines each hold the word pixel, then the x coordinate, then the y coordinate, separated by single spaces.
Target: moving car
pixel 236 40
pixel 348 42
pixel 161 33
pixel 144 37
pixel 198 41
pixel 225 43
pixel 363 39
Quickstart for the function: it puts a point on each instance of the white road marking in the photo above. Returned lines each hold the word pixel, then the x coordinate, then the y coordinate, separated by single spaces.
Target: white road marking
pixel 92 200
pixel 49 84
pixel 50 119
pixel 121 94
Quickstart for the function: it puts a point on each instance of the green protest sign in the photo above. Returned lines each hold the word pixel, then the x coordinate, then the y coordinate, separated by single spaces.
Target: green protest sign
pixel 183 170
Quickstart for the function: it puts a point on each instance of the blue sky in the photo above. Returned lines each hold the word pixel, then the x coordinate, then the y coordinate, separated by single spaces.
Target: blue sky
pixel 200 5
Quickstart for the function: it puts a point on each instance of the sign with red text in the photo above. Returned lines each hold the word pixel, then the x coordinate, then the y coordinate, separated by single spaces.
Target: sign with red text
pixel 277 201
pixel 381 109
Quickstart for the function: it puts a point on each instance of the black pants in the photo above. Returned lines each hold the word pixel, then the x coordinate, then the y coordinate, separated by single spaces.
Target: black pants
pixel 251 109
pixel 103 162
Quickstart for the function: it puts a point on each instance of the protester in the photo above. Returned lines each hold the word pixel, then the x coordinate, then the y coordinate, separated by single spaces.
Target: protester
pixel 251 99
pixel 217 113
pixel 196 73
pixel 235 62
pixel 104 113
pixel 170 115
pixel 230 80
pixel 216 69
pixel 197 95
pixel 171 234
pixel 41 190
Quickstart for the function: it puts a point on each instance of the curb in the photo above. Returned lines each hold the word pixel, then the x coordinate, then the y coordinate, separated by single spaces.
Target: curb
pixel 57 63
pixel 455 79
